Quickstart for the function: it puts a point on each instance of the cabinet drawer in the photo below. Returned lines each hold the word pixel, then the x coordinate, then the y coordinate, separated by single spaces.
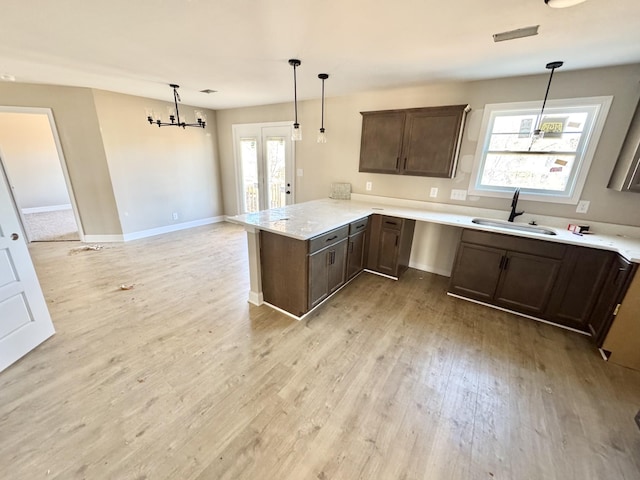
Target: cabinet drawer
pixel 516 244
pixel 329 238
pixel 358 225
pixel 392 223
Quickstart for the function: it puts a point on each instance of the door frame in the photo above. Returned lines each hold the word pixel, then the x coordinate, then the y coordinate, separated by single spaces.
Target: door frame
pixel 61 158
pixel 236 159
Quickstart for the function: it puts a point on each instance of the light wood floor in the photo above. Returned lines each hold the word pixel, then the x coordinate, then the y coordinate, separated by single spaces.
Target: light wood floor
pixel 180 378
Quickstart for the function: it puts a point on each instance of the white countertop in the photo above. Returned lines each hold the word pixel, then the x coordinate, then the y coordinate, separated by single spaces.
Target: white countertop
pixel 309 219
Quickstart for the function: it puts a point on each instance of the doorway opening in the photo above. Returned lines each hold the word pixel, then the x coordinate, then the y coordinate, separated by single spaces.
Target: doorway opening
pixel 264 166
pixel 32 161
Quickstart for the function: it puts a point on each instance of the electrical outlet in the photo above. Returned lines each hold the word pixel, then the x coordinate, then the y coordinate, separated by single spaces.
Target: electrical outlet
pixel 458 194
pixel 369 186
pixel 174 215
pixel 434 192
pixel 583 206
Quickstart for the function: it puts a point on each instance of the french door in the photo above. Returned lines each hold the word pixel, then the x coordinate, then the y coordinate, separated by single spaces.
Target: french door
pixel 264 165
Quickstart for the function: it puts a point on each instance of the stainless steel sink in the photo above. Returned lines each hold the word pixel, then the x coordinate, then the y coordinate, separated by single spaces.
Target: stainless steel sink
pixel 513 226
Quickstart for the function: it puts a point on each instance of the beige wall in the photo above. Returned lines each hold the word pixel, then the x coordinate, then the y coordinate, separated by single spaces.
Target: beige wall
pixel 158 171
pixel 79 132
pixel 338 159
pixel 31 160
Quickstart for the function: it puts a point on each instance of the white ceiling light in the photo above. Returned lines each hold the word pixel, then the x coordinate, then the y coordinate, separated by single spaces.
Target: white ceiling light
pixel 563 3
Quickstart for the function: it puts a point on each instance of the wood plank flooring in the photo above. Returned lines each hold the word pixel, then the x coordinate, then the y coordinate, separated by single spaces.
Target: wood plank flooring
pixel 180 378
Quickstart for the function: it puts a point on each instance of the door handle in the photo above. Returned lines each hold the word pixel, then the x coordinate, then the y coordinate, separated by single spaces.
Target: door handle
pixel 288 192
pixel 15 236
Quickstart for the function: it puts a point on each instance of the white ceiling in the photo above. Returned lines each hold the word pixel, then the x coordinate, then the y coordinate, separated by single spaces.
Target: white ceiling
pixel 241 47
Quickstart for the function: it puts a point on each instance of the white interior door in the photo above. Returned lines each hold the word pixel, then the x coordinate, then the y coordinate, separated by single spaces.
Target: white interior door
pixel 265 165
pixel 24 318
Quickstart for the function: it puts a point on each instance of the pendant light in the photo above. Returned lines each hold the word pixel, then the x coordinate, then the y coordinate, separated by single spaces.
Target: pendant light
pixel 322 137
pixel 538 133
pixel 174 114
pixel 297 133
pixel 563 3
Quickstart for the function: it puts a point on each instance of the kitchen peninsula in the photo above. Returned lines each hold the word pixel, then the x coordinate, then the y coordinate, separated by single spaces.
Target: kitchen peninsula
pixel 303 225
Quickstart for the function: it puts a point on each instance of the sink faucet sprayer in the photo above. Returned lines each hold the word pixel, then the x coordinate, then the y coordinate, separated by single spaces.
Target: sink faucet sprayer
pixel 514 205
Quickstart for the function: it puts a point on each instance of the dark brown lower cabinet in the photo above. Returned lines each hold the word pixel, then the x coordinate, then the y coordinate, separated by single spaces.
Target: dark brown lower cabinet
pixel 390 244
pixel 526 282
pixel 581 279
pixel 357 247
pixel 619 276
pixel 327 270
pixel 507 271
pixel 577 287
pixel 476 271
pixel 299 274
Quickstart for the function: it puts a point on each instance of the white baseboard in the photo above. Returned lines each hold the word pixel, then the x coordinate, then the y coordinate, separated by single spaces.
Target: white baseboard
pixel 172 228
pixel 430 269
pixel 50 208
pixel 102 238
pixel 256 298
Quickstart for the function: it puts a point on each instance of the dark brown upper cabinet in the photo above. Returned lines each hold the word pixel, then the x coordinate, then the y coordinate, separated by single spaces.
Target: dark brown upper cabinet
pixel 626 174
pixel 416 141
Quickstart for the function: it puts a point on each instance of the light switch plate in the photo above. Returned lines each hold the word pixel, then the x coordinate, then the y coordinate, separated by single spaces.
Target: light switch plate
pixel 299 172
pixel 583 206
pixel 434 192
pixel 369 186
pixel 458 194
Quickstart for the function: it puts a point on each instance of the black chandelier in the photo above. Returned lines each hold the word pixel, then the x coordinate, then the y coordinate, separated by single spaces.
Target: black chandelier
pixel 174 115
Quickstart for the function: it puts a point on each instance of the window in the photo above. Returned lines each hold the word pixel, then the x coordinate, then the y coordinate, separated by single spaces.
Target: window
pixel 549 168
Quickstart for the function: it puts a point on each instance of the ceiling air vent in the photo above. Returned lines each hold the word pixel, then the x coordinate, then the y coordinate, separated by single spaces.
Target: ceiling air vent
pixel 519 33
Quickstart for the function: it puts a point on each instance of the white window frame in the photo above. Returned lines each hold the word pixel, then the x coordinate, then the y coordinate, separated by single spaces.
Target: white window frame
pixel 584 155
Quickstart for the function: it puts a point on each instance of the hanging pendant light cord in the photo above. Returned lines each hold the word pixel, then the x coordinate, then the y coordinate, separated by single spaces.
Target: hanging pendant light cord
pixel 322 117
pixel 295 94
pixel 552 66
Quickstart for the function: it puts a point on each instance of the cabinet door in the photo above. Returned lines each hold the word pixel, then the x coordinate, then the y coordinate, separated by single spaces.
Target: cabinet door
pixel 476 271
pixel 388 251
pixel 579 282
pixel 318 277
pixel 526 282
pixel 431 141
pixel 355 255
pixel 611 294
pixel 381 142
pixel 336 274
pixel 284 272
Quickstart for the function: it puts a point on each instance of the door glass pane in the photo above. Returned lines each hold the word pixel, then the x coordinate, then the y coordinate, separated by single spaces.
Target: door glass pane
pixel 276 187
pixel 249 162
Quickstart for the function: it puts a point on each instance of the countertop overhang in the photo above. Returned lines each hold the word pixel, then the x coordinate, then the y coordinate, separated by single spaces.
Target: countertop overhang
pixel 306 220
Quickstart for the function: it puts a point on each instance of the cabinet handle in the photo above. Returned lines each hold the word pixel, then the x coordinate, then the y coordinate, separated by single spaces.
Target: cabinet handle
pixel 619 275
pixel 405 163
pixel 350 247
pixel 390 223
pixel 331 238
pixel 397 237
pixel 397 162
pixel 506 262
pixel 360 226
pixel 501 263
